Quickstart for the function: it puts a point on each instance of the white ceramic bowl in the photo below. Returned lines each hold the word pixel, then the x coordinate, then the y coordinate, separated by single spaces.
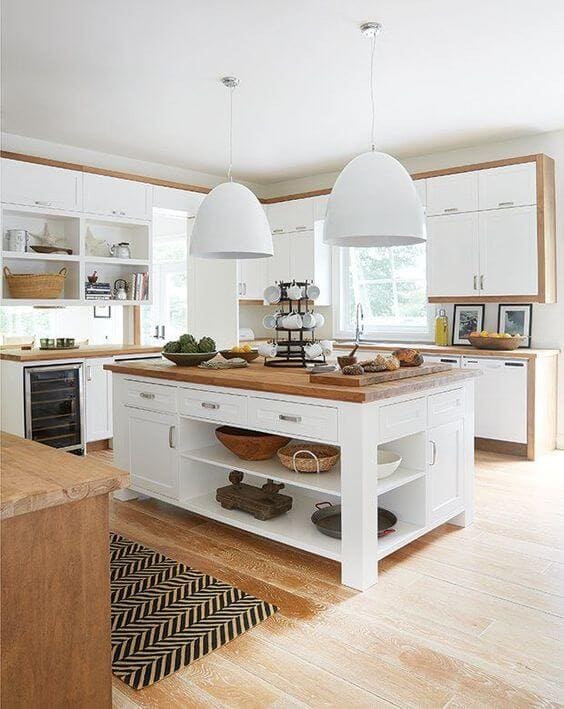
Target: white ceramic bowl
pixel 388 462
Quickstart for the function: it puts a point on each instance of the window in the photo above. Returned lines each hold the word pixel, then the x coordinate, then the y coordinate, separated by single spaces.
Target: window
pixel 390 282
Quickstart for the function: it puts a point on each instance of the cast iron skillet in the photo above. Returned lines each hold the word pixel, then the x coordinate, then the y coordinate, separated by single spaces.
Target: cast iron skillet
pixel 327 519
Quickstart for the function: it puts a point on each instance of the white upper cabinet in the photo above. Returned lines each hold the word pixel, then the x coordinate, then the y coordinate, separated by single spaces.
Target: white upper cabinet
pixel 452 255
pixel 279 267
pixel 421 189
pixel 178 200
pixel 291 216
pixel 449 194
pixel 508 252
pixel 116 197
pixel 252 278
pixel 43 186
pixel 507 186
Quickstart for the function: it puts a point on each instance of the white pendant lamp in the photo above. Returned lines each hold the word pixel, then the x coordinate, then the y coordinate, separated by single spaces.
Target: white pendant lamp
pixel 231 223
pixel 373 201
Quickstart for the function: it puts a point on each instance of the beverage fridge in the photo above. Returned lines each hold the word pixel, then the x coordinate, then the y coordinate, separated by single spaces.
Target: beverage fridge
pixel 54 406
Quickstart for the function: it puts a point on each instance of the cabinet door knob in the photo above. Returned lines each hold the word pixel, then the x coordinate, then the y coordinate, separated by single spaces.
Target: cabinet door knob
pixel 291 419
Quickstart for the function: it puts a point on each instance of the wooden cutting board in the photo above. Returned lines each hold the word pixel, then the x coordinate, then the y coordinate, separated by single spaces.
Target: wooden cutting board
pixel 362 380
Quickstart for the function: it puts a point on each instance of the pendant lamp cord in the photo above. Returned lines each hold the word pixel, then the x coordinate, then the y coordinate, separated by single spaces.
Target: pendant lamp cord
pixel 372 131
pixel 229 171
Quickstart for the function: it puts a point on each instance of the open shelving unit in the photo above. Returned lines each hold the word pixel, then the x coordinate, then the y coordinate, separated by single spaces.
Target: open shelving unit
pixel 79 232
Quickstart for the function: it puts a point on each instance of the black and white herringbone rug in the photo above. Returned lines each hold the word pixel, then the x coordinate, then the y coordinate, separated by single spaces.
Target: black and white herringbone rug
pixel 165 615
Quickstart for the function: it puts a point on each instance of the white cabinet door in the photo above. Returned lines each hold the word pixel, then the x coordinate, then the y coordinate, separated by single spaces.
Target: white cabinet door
pixel 452 255
pixel 277 214
pixel 41 185
pixel 253 278
pixel 98 399
pixel 421 189
pixel 302 256
pixel 279 267
pixel 508 252
pixel 508 186
pixel 178 200
pixel 290 216
pixel 449 194
pixel 500 399
pixel 153 459
pixel 443 359
pixel 445 472
pixel 116 197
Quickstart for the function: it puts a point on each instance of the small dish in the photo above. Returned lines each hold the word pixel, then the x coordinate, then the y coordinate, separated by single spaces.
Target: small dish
pixel 388 462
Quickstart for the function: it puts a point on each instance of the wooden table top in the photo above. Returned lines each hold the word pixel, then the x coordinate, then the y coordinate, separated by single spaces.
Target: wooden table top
pixel 468 351
pixel 16 354
pixel 293 381
pixel 35 476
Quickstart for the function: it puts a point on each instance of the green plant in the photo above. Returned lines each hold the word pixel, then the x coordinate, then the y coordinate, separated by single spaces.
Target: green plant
pixel 206 344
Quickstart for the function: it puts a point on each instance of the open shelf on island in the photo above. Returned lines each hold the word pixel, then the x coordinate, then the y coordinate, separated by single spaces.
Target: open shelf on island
pixel 405 533
pixel 293 528
pixel 400 477
pixel 33 256
pixel 329 482
pixel 111 260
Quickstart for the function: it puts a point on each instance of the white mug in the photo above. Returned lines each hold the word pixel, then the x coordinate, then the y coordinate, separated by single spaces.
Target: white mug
pixel 326 346
pixel 269 321
pixel 314 350
pixel 272 294
pixel 293 321
pixel 308 320
pixel 319 320
pixel 313 292
pixel 295 292
pixel 268 349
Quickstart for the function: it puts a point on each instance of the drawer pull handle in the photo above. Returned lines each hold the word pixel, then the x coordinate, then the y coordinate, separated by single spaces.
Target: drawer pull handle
pixel 514 364
pixel 505 204
pixel 292 419
pixel 146 395
pixel 446 359
pixel 42 203
pixel 278 231
pixel 171 443
pixel 433 452
pixel 209 405
pixel 301 228
pixel 451 209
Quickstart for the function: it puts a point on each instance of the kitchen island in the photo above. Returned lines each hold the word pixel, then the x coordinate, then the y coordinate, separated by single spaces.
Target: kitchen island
pixel 164 434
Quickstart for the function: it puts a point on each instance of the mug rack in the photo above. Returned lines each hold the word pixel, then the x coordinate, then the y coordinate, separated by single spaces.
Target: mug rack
pixel 291 343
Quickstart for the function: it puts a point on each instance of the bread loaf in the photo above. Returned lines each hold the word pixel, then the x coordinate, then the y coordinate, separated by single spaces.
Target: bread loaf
pixel 408 357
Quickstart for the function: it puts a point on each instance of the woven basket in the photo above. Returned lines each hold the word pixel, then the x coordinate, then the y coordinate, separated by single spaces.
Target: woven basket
pixel 308 457
pixel 35 285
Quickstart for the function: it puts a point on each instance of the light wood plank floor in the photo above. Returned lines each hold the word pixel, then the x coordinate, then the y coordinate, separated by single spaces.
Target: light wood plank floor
pixel 464 617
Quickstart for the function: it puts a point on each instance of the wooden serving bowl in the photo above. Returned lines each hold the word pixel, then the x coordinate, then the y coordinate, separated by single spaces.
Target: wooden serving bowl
pixel 247 356
pixel 250 445
pixel 188 359
pixel 495 343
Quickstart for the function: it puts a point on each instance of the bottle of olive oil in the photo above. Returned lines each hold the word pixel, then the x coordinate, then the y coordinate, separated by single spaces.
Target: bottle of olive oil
pixel 441 328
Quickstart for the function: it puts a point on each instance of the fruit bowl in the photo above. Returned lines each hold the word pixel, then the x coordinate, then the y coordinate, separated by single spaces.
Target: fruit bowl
pixel 250 445
pixel 388 462
pixel 185 359
pixel 496 343
pixel 247 356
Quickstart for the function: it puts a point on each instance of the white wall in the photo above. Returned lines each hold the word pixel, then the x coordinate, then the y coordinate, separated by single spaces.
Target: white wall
pixel 548 320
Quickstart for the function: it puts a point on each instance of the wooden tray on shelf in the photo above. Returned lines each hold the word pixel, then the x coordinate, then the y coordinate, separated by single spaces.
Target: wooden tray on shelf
pixel 362 380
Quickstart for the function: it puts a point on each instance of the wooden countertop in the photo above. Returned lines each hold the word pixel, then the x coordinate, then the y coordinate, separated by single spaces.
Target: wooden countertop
pixel 35 476
pixel 469 351
pixel 295 382
pixel 18 355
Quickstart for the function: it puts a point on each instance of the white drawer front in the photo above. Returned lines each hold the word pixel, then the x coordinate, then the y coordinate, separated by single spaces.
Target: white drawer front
pixel 214 406
pixel 153 397
pixel 319 422
pixel 397 420
pixel 445 407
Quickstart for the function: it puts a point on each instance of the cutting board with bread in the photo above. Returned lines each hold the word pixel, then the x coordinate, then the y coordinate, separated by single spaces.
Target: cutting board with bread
pixel 401 364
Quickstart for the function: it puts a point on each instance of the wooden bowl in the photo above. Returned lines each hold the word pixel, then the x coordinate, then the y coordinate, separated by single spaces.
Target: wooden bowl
pixel 191 359
pixel 247 356
pixel 495 343
pixel 250 445
pixel 309 457
pixel 346 361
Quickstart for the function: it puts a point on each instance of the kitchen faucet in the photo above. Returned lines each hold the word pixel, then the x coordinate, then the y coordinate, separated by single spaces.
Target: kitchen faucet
pixel 359 323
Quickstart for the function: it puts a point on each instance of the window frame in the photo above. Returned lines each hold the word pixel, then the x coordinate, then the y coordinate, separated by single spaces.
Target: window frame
pixel 341 301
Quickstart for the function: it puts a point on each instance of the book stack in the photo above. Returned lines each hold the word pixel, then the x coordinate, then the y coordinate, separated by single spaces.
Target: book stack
pixel 139 286
pixel 97 291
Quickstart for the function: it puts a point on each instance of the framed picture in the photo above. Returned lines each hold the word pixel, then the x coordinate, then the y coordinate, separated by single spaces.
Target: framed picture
pixel 516 320
pixel 102 311
pixel 467 319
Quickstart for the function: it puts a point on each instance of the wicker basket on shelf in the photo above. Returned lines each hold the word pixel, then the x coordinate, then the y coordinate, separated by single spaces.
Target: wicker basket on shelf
pixel 35 285
pixel 308 457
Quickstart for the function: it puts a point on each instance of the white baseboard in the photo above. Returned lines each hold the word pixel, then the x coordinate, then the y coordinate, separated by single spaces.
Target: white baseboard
pixel 125 494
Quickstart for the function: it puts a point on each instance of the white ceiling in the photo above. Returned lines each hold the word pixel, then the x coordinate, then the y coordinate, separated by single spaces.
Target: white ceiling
pixel 139 78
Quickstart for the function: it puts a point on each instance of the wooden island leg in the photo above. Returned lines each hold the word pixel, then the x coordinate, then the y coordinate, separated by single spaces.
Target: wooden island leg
pixel 358 426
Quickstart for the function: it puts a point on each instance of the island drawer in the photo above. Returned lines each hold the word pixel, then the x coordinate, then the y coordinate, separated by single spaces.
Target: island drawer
pixel 446 406
pixel 403 419
pixel 213 406
pixel 319 422
pixel 152 397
